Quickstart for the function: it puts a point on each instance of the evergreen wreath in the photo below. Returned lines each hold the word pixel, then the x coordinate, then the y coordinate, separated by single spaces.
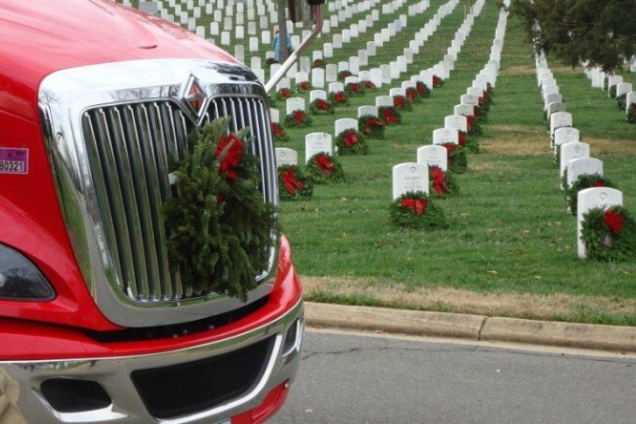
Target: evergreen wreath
pixel 470 143
pixel 279 133
pixel 303 86
pixel 219 229
pixel 371 126
pixel 318 63
pixel 490 89
pixel 389 115
pixel 457 159
pixel 609 235
pixel 293 184
pixel 351 142
pixel 354 89
pixel 344 74
pixel 321 107
pixel 369 85
pixel 620 101
pixel 324 169
pixel 441 183
pixel 283 94
pixel 631 114
pixel 438 82
pixel 338 98
pixel 481 114
pixel 584 181
pixel 474 127
pixel 401 103
pixel 412 96
pixel 612 92
pixel 423 90
pixel 298 119
pixel 415 210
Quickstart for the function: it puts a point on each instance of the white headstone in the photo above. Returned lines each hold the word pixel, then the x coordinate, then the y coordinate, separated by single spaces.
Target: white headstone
pixel 631 98
pixel 384 101
pixel 456 122
pixel 327 49
pixel 583 166
pixel 286 156
pixel 570 151
pixel 295 103
pixel 301 76
pixel 623 88
pixel 409 176
pixel 445 135
pixel 225 38
pixel 465 110
pixel 317 94
pixel 274 115
pixel 239 32
pixel 375 75
pixel 331 72
pixel 399 91
pixel 318 77
pixel 433 155
pixel 560 119
pixel 337 41
pixel 266 38
pixel 318 143
pixel 593 198
pixel 552 98
pixel 239 52
pixel 467 99
pixel 253 44
pixel 566 135
pixel 335 87
pixel 555 107
pixel 344 124
pixel 368 110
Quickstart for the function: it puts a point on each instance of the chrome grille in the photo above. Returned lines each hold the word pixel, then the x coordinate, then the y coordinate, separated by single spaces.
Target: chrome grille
pixel 129 147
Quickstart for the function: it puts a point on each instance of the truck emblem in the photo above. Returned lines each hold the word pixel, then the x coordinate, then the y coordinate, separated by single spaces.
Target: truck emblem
pixel 194 96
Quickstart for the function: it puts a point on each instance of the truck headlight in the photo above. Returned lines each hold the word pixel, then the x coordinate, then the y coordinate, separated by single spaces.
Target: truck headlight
pixel 20 279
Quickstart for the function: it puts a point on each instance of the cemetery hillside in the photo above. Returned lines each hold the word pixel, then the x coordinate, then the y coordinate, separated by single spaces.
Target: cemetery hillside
pixel 430 158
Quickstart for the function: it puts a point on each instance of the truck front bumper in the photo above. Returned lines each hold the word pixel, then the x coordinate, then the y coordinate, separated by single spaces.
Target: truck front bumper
pixel 160 388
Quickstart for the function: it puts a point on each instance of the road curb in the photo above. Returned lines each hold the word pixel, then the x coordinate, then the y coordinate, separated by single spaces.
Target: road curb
pixel 471 327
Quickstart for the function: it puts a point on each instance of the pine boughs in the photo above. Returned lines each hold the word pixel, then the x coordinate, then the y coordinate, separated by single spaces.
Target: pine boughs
pixel 354 89
pixel 318 63
pixel 219 229
pixel 620 101
pixel 338 98
pixel 279 133
pixel 371 126
pixel 389 115
pixel 470 143
pixel 351 142
pixel 442 184
pixel 412 96
pixel 344 74
pixel 293 184
pixel 303 86
pixel 609 235
pixel 631 114
pixel 584 181
pixel 369 85
pixel 437 82
pixel 324 169
pixel 612 92
pixel 474 127
pixel 416 210
pixel 321 107
pixel 283 94
pixel 298 119
pixel 401 103
pixel 422 90
pixel 457 159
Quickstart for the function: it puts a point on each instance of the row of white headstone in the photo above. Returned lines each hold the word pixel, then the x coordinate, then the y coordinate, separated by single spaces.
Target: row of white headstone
pixel 323 142
pixel 574 155
pixel 600 79
pixel 413 176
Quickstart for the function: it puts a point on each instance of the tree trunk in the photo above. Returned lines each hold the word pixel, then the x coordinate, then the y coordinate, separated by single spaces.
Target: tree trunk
pixel 282 26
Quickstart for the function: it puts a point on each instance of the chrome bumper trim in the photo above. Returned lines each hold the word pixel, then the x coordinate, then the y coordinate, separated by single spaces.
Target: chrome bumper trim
pixel 127 406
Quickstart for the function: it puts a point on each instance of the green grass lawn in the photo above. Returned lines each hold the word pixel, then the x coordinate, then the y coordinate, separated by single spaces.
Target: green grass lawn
pixel 509 230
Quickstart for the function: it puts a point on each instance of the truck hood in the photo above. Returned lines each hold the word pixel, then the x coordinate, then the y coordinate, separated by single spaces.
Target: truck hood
pixel 39 37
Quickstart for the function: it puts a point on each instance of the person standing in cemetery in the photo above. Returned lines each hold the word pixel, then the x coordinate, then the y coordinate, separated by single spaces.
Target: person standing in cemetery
pixel 276 44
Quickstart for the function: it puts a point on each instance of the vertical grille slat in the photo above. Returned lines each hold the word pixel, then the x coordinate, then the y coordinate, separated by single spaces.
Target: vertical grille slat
pixel 130 147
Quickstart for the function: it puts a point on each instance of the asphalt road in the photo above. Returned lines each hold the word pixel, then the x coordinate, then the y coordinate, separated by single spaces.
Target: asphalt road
pixel 353 378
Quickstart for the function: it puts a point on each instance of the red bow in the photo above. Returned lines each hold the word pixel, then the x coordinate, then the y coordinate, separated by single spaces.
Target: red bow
pixel 598 183
pixel 285 93
pixel 278 131
pixel 230 149
pixel 418 205
pixel 469 122
pixel 304 85
pixel 462 138
pixel 439 180
pixel 372 123
pixel 410 93
pixel 614 221
pixel 290 182
pixel 354 87
pixel 350 138
pixel 388 116
pixel 299 116
pixel 340 97
pixel 325 165
pixel 369 84
pixel 321 104
pixel 398 101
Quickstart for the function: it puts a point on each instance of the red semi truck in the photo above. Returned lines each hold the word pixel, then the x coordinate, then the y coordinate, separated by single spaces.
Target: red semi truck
pixel 95 100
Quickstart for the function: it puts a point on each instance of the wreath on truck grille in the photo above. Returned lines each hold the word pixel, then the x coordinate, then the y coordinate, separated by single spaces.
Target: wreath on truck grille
pixel 219 228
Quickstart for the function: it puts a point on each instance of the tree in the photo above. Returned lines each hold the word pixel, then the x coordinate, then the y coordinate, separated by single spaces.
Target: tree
pixel 599 32
pixel 282 26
